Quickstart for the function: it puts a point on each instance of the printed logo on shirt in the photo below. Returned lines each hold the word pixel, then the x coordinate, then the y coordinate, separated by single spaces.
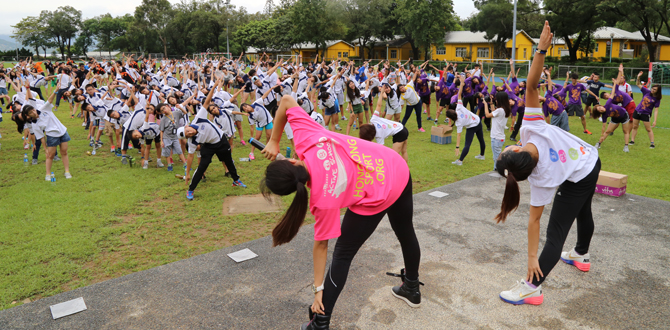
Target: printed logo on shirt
pixel 561 155
pixel 553 155
pixel 379 126
pixel 321 154
pixel 384 126
pixel 336 176
pixel 573 153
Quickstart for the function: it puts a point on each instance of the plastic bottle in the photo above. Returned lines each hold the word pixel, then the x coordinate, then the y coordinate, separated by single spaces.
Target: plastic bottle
pixel 53 179
pixel 25 159
pixel 288 152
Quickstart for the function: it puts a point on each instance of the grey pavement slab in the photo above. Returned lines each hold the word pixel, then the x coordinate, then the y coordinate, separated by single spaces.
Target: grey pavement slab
pixel 467 260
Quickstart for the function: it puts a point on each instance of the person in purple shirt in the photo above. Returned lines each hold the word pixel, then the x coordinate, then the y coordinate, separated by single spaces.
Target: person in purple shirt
pixel 574 93
pixel 651 99
pixel 469 92
pixel 443 95
pixel 554 107
pixel 618 115
pixel 423 89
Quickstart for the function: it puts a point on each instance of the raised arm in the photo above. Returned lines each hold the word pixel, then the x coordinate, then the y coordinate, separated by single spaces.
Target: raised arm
pixel 536 69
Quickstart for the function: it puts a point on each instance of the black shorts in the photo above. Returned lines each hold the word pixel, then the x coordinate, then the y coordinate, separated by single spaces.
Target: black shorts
pixel 444 103
pixel 401 136
pixel 591 101
pixel 641 117
pixel 126 139
pixel 272 107
pixel 157 139
pixel 620 119
pixel 575 110
pixel 426 99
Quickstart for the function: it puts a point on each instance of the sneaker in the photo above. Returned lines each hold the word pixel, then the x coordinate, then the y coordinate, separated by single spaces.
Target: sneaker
pixel 99 142
pixel 124 161
pixel 251 156
pixel 25 147
pixel 597 145
pixel 631 143
pixel 523 293
pixel 512 139
pixel 118 153
pixel 422 130
pixel 83 124
pixel 337 127
pixel 239 183
pixel 90 143
pixel 316 322
pixel 344 118
pixel 506 127
pixel 625 148
pixel 47 178
pixel 159 163
pixel 169 168
pixel 112 150
pixel 435 122
pixel 580 261
pixel 409 291
pixel 243 143
pixel 189 195
pixel 424 111
pixel 481 157
pixel 34 161
pixel 146 165
pixel 429 119
pixel 652 146
pixel 130 146
pixel 56 158
pixel 587 132
pixel 68 175
pixel 612 133
pixel 446 120
pixel 457 162
pixel 98 145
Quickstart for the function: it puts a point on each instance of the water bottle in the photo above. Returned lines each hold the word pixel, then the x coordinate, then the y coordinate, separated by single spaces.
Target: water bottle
pixel 25 159
pixel 288 152
pixel 53 179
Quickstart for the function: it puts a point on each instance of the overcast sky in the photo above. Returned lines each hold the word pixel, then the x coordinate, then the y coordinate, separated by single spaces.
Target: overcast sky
pixel 13 11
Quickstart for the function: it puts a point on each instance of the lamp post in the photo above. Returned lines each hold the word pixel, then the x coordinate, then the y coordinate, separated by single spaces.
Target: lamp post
pixel 227 20
pixel 514 34
pixel 611 45
pixel 387 51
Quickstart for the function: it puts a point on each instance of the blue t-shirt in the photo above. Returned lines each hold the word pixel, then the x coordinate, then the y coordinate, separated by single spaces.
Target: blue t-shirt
pixel 594 87
pixel 450 78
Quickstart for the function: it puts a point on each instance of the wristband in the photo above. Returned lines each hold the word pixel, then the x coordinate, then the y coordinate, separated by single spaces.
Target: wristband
pixel 458 147
pixel 543 52
pixel 316 289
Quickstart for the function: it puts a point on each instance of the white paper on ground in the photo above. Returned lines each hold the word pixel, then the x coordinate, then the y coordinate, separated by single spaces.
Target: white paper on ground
pixel 438 194
pixel 68 308
pixel 495 175
pixel 242 255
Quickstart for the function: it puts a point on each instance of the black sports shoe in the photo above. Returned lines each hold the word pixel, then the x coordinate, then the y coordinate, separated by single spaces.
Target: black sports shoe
pixel 652 146
pixel 631 142
pixel 317 322
pixel 408 291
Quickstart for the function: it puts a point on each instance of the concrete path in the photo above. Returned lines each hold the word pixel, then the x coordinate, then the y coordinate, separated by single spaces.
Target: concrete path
pixel 467 260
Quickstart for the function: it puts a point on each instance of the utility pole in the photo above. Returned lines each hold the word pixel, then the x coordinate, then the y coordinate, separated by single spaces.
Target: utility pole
pixel 227 24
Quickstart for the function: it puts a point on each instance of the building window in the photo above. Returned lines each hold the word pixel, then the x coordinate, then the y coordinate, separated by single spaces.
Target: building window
pixel 461 52
pixel 524 54
pixel 441 51
pixel 625 46
pixel 596 50
pixel 345 54
pixel 339 54
pixel 394 53
pixel 483 52
pixel 608 50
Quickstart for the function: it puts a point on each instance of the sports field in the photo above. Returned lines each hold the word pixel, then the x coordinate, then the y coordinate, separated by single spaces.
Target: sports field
pixel 111 220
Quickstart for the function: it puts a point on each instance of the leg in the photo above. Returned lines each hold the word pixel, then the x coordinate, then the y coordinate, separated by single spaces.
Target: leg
pixel 355 231
pixel 51 152
pixel 400 216
pixel 64 156
pixel 610 128
pixel 352 118
pixel 408 113
pixel 480 138
pixel 633 132
pixel 647 126
pixel 205 159
pixel 226 158
pixel 469 135
pixel 626 132
pixel 326 119
pixel 584 123
pixel 417 111
pixel 36 152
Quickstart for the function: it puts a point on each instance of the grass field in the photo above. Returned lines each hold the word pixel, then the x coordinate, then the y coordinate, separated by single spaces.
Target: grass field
pixel 111 220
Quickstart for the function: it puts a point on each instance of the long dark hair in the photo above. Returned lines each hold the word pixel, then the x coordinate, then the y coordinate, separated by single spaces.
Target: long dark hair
pixel 283 178
pixel 658 94
pixel 352 93
pixel 502 101
pixel 519 166
pixel 20 123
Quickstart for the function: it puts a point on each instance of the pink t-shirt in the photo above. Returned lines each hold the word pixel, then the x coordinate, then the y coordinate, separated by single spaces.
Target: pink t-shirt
pixel 345 172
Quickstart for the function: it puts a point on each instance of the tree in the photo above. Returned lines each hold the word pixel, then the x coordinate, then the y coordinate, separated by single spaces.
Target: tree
pixel 367 19
pixel 255 34
pixel 62 26
pixel 107 30
pixel 644 15
pixel 155 15
pixel 30 32
pixel 424 22
pixel 88 29
pixel 574 22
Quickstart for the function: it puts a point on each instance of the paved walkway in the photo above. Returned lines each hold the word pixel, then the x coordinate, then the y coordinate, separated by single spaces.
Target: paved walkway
pixel 467 260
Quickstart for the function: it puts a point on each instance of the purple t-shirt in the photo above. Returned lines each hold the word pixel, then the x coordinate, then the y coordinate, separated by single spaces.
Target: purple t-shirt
pixel 649 102
pixel 552 106
pixel 423 89
pixel 444 93
pixel 574 93
pixel 613 110
pixel 467 88
pixel 622 98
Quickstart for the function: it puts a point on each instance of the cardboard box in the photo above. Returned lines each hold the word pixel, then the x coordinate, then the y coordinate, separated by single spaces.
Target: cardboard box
pixel 440 139
pixel 441 131
pixel 610 191
pixel 613 180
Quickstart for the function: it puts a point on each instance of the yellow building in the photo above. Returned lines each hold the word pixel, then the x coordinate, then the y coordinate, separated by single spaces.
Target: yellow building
pixel 334 49
pixel 466 46
pixel 396 49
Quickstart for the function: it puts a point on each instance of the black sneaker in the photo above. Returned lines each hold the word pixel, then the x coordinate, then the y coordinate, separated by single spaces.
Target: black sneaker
pixel 317 322
pixel 652 146
pixel 631 142
pixel 408 291
pixel 124 161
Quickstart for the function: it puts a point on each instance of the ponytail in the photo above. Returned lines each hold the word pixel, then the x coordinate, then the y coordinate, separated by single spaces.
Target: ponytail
pixel 283 178
pixel 519 165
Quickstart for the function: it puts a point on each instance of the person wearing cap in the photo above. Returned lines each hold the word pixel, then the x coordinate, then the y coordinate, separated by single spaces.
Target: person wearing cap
pixel 209 138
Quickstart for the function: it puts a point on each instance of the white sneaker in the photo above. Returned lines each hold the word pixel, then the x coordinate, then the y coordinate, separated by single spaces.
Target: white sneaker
pixel 625 148
pixel 47 178
pixel 506 127
pixel 457 162
pixel 597 145
pixel 68 175
pixel 582 262
pixel 522 293
pixel 83 124
pixel 482 157
pixel 344 118
pixel 146 165
pixel 337 127
pixel 159 163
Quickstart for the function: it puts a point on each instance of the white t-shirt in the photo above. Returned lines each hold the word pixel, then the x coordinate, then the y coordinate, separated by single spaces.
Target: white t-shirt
pixel 410 96
pixel 562 156
pixel 498 124
pixel 384 127
pixel 625 88
pixel 465 119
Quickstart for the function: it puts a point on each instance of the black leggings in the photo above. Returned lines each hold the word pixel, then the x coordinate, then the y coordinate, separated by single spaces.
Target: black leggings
pixel 355 231
pixel 408 113
pixel 207 151
pixel 470 102
pixel 469 136
pixel 517 125
pixel 38 91
pixel 572 200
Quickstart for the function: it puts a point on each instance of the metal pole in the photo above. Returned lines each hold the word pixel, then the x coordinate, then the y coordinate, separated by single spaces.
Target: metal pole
pixel 611 46
pixel 387 51
pixel 227 20
pixel 514 34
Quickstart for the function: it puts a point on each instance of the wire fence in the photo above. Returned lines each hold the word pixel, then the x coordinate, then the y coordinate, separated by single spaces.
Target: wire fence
pixel 606 73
